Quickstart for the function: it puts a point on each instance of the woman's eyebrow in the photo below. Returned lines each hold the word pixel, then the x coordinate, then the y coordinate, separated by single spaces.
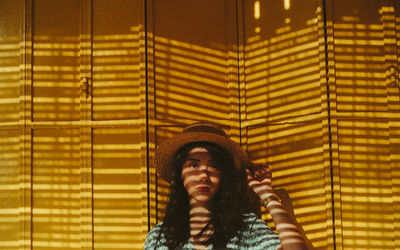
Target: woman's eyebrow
pixel 192 159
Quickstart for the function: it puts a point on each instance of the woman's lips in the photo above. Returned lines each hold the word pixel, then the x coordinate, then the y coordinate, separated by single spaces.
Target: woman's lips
pixel 203 188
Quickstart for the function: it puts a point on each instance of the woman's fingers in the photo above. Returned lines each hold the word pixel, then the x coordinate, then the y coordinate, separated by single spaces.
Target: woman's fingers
pixel 260 171
pixel 257 178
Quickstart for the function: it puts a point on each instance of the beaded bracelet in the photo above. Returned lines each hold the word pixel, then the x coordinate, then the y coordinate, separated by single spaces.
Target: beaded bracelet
pixel 272 197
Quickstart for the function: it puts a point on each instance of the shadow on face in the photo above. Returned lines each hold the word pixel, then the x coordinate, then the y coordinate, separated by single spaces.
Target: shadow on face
pixel 200 175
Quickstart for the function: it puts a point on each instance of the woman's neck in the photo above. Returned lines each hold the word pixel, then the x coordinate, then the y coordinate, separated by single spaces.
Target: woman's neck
pixel 200 216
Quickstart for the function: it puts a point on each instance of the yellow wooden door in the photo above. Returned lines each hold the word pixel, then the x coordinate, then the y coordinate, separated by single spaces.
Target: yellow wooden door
pixel 284 107
pixel 118 125
pixel 10 132
pixel 73 125
pixel 364 102
pixel 52 115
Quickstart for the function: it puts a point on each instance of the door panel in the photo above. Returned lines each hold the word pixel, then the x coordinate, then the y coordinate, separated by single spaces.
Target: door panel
pixel 118 194
pixel 9 189
pixel 120 219
pixel 366 184
pixel 282 58
pixel 116 75
pixel 56 189
pixel 11 20
pixel 191 59
pixel 56 43
pixel 360 55
pixel 10 59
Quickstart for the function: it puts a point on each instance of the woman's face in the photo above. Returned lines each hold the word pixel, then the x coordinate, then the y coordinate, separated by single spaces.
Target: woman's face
pixel 200 176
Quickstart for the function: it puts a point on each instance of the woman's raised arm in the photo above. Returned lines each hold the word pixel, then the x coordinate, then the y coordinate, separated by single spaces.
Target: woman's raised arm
pixel 259 178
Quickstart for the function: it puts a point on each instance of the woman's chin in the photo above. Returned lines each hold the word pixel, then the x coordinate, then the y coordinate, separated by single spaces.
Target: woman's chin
pixel 202 199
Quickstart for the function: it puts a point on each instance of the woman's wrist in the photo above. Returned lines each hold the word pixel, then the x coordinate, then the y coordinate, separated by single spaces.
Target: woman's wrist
pixel 270 199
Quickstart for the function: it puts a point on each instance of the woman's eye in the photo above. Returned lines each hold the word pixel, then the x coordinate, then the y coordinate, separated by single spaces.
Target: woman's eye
pixel 192 165
pixel 213 166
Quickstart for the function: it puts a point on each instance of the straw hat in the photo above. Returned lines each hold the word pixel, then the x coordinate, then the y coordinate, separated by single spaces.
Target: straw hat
pixel 197 132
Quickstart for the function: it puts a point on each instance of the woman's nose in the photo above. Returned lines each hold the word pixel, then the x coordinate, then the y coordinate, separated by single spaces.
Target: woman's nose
pixel 203 172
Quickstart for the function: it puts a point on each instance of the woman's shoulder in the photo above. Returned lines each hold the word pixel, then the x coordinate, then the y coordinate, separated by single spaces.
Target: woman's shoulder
pixel 154 238
pixel 155 229
pixel 257 234
pixel 255 224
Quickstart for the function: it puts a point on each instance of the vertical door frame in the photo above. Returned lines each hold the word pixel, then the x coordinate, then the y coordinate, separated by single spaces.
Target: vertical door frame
pixel 86 138
pixel 150 109
pixel 391 32
pixel 144 114
pixel 232 21
pixel 26 125
pixel 330 127
pixel 333 127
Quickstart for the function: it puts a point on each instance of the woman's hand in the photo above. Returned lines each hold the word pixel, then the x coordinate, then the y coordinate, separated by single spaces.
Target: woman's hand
pixel 259 177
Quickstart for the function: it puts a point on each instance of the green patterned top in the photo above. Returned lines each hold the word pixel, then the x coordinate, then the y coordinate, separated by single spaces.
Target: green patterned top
pixel 258 235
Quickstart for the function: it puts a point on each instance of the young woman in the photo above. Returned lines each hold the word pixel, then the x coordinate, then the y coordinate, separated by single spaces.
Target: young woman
pixel 210 205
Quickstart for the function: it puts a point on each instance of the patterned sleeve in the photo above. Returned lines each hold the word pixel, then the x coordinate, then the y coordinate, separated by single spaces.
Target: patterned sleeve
pixel 259 235
pixel 152 240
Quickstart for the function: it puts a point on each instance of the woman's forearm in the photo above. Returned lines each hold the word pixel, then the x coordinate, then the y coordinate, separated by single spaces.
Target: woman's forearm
pixel 289 234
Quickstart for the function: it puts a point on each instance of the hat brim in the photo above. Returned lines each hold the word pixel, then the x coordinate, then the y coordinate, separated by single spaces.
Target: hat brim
pixel 166 152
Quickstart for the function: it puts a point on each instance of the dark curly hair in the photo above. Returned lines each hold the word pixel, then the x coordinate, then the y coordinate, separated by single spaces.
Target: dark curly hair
pixel 232 200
